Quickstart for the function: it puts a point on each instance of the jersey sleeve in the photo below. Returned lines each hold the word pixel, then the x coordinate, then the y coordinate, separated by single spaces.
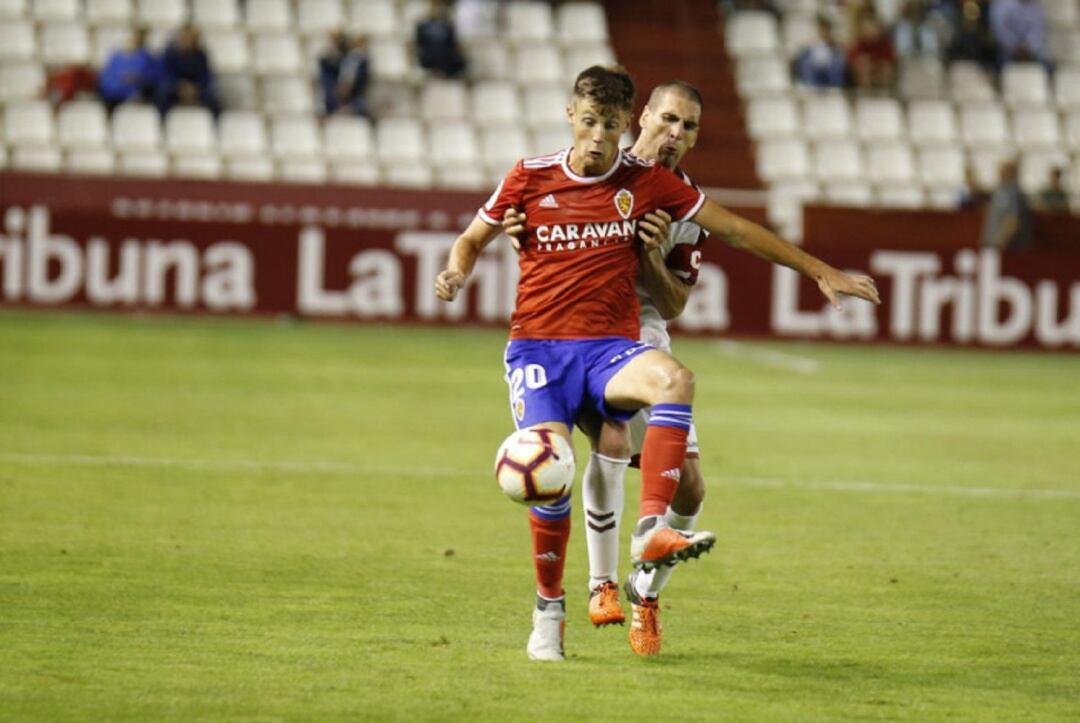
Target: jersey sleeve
pixel 673 195
pixel 508 193
pixel 684 261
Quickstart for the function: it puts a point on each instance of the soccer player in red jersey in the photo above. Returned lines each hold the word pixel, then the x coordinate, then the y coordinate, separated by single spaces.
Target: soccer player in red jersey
pixel 573 335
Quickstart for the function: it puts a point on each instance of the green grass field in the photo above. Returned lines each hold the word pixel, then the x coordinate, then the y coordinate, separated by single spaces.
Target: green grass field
pixel 249 521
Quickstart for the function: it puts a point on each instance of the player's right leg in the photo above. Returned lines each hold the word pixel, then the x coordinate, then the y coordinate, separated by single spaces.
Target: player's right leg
pixel 655 378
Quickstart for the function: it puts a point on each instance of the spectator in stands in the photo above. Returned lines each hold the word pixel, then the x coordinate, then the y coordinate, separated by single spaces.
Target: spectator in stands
pixel 343 74
pixel 1007 225
pixel 872 58
pixel 186 76
pixel 1053 198
pixel 130 74
pixel 972 195
pixel 923 27
pixel 436 42
pixel 1019 26
pixel 972 40
pixel 476 18
pixel 821 64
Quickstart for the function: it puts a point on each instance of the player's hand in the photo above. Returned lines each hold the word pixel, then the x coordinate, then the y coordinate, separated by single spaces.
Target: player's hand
pixel 654 229
pixel 447 284
pixel 513 224
pixel 833 283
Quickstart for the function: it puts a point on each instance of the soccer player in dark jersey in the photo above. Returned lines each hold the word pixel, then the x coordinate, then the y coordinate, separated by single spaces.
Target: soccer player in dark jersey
pixel 574 332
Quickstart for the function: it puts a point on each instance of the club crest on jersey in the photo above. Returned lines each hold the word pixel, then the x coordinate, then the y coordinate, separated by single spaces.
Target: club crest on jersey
pixel 519 409
pixel 624 203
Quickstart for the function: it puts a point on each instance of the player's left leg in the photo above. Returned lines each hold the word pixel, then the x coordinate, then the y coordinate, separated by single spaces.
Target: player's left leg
pixel 655 378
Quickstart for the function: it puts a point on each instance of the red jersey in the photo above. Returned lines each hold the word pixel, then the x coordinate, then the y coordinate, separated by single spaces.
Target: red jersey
pixel 579 260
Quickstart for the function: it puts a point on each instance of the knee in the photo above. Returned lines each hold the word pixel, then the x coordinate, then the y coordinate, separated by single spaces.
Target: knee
pixel 679 383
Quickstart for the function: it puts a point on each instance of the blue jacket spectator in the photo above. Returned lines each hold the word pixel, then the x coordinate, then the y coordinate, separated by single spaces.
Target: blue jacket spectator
pixel 343 75
pixel 130 74
pixel 436 42
pixel 1019 26
pixel 186 77
pixel 821 64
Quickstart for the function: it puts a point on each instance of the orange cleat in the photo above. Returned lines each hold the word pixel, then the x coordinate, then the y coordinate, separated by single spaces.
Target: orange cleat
pixel 659 545
pixel 646 633
pixel 604 606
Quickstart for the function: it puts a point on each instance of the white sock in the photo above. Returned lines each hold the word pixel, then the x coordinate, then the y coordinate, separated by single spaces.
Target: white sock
pixel 602 497
pixel 649 584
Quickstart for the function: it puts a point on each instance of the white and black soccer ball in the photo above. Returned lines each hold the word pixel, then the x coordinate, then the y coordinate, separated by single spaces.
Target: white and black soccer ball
pixel 535 467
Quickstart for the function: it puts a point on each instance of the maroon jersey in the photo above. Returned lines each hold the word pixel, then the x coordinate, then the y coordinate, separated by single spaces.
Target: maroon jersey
pixel 579 263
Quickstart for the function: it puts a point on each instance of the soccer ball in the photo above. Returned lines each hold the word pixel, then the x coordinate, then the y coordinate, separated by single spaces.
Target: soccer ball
pixel 535 466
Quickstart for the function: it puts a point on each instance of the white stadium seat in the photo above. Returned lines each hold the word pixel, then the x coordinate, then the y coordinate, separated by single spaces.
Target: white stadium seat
pixel 496 102
pixel 941 166
pixel 354 172
pixel 986 164
pixel 765 76
pixel 969 83
pixel 798 30
pixel 838 160
pixel 295 137
pixel 408 175
pixel 100 12
pixel 376 19
pixel 783 159
pixel 901 196
pixel 1035 167
pixel 390 59
pixel 848 193
pixel 1061 13
pixel 243 134
pixel 751 33
pixel 984 125
pixel 215 14
pixel 65 44
pixel 238 91
pixel 538 63
pixel 879 119
pixel 548 140
pixel 106 40
pixel 267 15
pixel 921 78
pixel 21 81
pixel 393 99
pixel 12 8
pixel 82 123
pixel 489 60
pixel 287 95
pixel 545 105
pixel 250 168
pixel 348 137
pixel 931 122
pixel 38 159
pixel 17 40
pixel 578 58
pixel 582 22
pixel 227 50
pixel 1072 131
pixel 1025 84
pixel 462 178
pixel 277 54
pixel 503 146
pixel 190 131
pixel 444 100
pixel 1036 128
pixel 400 140
pixel 890 163
pixel 826 116
pixel 165 14
pixel 1067 87
pixel 56 10
pixel 29 123
pixel 453 143
pixel 202 166
pixel 317 17
pixel 90 161
pixel 302 170
pixel 772 118
pixel 136 128
pixel 148 163
pixel 528 21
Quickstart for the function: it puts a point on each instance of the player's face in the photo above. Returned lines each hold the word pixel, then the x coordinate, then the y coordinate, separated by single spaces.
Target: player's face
pixel 669 128
pixel 596 136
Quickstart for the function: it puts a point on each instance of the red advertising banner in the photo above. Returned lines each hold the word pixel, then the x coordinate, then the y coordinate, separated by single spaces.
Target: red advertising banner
pixel 361 254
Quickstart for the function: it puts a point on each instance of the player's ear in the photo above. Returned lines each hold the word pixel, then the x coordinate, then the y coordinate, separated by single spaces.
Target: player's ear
pixel 570 112
pixel 644 117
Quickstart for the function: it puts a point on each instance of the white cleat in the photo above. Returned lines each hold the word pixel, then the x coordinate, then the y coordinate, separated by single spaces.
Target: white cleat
pixel 546 639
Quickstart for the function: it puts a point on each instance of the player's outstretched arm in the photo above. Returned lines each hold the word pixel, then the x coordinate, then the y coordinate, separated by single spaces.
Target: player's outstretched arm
pixel 668 292
pixel 749 236
pixel 463 254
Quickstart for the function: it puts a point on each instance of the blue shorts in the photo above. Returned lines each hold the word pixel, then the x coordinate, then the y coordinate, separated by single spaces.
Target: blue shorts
pixel 555 380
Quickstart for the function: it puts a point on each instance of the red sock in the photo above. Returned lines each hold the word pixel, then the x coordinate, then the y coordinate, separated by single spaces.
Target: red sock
pixel 662 455
pixel 549 553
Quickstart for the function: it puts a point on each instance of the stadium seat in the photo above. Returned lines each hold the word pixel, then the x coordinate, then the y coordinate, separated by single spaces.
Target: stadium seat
pixel 766 76
pixel 453 143
pixel 64 44
pixel 503 146
pixel 190 131
pixel 393 99
pixel 900 196
pixel 165 14
pixel 783 159
pixel 495 102
pixel 136 128
pixel 545 105
pixel 922 78
pixel 751 32
pixel 582 23
pixel 267 15
pixel 287 95
pixel 203 166
pixel 318 17
pixel 17 40
pixel 931 122
pixel 29 123
pixel 578 58
pixel 1072 131
pixel 390 59
pixel 102 12
pixel 21 81
pixel 826 116
pixel 37 159
pixel 837 160
pixel 549 139
pixel 3 156
pixel 1064 44
pixel 106 40
pixel 1067 87
pixel 462 178
pixel 444 100
pixel 1025 84
pixel 986 164
pixel 538 63
pixel 249 168
pixel 90 161
pixel 277 54
pixel 400 140
pixel 238 91
pixel 969 83
pixel 1061 13
pixel 376 19
pixel 772 118
pixel 12 8
pixel 295 137
pixel 1035 167
pixel 1036 128
pixel 148 163
pixel 242 134
pixel 784 206
pixel 215 14
pixel 408 175
pixel 228 50
pixel 941 167
pixel 489 60
pixel 890 163
pixel 82 123
pixel 799 30
pixel 528 21
pixel 354 172
pixel 348 138
pixel 984 125
pixel 302 170
pixel 847 193
pixel 47 11
pixel 879 119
